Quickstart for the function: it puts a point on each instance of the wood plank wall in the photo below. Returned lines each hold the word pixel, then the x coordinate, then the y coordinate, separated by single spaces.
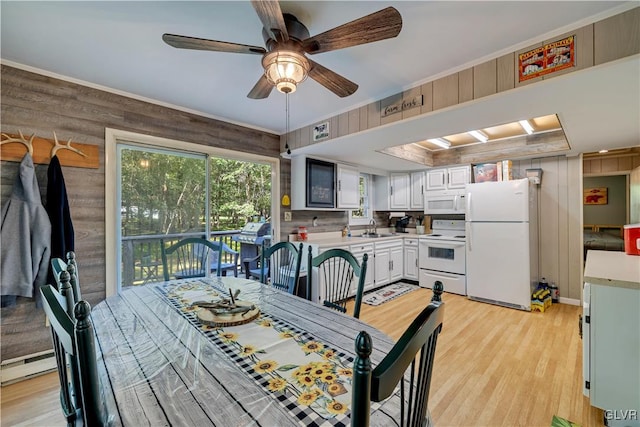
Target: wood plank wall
pixel 38 104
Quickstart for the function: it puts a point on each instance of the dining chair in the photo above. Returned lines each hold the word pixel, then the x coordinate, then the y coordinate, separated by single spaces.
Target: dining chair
pixel 218 260
pixel 192 257
pixel 280 266
pixel 337 271
pixel 74 348
pixel 417 345
pixel 58 265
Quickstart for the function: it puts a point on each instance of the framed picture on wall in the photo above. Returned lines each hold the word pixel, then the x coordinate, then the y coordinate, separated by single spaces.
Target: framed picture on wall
pixel 595 196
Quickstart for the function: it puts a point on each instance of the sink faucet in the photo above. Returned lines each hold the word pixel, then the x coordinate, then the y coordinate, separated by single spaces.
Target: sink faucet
pixel 373 230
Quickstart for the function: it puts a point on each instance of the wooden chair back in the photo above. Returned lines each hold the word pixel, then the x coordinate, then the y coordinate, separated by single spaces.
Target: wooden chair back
pixel 415 351
pixel 74 347
pixel 280 266
pixel 59 265
pixel 338 269
pixel 192 257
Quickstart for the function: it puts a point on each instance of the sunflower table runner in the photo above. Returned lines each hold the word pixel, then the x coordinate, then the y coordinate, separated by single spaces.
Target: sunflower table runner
pixel 310 379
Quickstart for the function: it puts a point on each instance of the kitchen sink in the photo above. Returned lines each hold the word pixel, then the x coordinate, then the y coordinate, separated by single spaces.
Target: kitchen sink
pixel 376 235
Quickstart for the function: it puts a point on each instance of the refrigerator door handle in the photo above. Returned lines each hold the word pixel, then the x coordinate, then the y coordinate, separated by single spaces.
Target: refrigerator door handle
pixel 469 237
pixel 468 206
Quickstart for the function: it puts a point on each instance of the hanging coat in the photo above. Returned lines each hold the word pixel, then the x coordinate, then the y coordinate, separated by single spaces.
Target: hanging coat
pixel 26 238
pixel 62 238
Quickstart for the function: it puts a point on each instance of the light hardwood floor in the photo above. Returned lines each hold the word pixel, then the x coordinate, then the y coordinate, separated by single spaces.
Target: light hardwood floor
pixel 494 366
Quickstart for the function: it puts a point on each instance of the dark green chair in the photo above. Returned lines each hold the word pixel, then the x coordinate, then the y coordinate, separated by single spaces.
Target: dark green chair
pixel 192 257
pixel 280 266
pixel 338 271
pixel 58 265
pixel 416 346
pixel 74 348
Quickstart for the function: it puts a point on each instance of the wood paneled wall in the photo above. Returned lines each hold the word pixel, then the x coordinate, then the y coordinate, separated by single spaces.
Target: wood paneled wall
pixel 559 220
pixel 39 104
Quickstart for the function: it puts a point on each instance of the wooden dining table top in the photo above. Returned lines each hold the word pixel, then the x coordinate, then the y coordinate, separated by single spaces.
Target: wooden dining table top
pixel 160 365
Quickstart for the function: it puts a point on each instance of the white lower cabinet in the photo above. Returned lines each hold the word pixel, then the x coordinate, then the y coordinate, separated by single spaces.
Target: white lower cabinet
pixel 358 251
pixel 411 259
pixel 388 262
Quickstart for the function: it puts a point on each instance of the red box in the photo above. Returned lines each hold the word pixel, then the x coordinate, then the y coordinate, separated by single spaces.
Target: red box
pixel 632 239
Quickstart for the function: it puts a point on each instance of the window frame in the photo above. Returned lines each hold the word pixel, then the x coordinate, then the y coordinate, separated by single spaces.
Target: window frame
pixel 366 220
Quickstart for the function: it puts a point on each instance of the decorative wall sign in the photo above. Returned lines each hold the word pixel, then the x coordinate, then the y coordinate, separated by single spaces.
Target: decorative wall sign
pixel 547 59
pixel 321 131
pixel 404 104
pixel 595 196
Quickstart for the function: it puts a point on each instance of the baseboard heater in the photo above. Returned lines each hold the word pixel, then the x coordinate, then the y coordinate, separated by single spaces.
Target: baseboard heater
pixel 502 303
pixel 22 368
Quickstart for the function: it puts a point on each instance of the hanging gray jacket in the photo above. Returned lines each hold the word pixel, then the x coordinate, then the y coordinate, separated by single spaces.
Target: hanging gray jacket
pixel 26 237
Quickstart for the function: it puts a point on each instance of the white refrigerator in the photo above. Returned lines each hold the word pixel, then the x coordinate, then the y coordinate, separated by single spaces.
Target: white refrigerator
pixel 502 242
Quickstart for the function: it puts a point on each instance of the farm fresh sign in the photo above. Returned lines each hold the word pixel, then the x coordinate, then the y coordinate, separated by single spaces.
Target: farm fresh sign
pixel 402 105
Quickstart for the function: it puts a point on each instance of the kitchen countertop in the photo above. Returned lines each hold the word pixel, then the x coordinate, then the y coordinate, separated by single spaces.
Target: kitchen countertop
pixel 611 268
pixel 335 239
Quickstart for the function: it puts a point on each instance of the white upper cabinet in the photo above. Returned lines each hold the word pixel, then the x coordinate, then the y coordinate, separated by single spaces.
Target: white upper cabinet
pixel 448 178
pixel 348 187
pixel 417 191
pixel 400 191
pixel 392 192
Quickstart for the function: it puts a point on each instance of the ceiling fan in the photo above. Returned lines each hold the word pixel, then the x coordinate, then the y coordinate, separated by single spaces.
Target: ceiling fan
pixel 287 40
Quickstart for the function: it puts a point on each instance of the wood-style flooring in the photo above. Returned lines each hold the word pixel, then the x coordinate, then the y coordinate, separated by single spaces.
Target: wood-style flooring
pixel 494 366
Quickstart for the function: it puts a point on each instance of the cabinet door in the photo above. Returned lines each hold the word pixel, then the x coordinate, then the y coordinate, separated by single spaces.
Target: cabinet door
pixel 417 190
pixel 348 187
pixel 459 177
pixel 382 266
pixel 396 257
pixel 358 251
pixel 411 262
pixel 400 191
pixel 436 179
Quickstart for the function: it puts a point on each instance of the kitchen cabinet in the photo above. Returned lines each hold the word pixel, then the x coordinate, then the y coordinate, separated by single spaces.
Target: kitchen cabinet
pixel 339 185
pixel 456 177
pixel 388 262
pixel 411 259
pixel 348 187
pixel 392 192
pixel 417 191
pixel 358 251
pixel 610 334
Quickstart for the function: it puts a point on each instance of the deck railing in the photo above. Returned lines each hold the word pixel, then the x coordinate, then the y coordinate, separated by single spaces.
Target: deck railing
pixel 142 255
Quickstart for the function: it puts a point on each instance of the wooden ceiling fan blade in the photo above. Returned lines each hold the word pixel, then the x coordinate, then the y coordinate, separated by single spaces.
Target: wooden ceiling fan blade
pixel 185 42
pixel 271 17
pixel 384 24
pixel 331 80
pixel 261 90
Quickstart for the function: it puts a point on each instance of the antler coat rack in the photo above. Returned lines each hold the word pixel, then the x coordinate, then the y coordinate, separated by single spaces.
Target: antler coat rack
pixel 43 149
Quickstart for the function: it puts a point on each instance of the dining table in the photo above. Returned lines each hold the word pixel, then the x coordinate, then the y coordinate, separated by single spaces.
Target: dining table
pixel 161 362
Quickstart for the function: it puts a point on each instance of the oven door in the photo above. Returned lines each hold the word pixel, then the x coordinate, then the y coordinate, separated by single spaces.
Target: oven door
pixel 444 202
pixel 442 255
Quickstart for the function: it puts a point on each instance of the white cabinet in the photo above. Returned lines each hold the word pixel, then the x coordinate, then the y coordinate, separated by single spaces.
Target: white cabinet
pixel 411 259
pixel 388 262
pixel 417 190
pixel 392 192
pixel 348 187
pixel 456 177
pixel 611 340
pixel 358 251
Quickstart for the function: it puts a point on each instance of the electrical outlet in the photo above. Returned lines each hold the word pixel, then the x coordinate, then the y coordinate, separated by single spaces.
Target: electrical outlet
pixel 287 216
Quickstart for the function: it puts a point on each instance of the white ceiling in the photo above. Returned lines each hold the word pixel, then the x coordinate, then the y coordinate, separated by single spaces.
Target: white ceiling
pixel 118 45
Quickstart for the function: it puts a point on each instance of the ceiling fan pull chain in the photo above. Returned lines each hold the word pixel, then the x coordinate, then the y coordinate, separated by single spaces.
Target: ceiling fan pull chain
pixel 286 135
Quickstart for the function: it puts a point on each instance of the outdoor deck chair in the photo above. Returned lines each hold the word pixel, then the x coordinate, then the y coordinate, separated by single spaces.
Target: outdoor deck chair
pixel 192 257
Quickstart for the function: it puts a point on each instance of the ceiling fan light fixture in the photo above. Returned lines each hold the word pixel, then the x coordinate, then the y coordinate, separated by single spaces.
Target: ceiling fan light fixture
pixel 285 69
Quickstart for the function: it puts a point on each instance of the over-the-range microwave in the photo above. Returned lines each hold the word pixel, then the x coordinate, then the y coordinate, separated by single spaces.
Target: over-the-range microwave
pixel 445 202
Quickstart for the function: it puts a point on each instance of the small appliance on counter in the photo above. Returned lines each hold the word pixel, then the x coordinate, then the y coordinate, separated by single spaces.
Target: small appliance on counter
pixel 402 223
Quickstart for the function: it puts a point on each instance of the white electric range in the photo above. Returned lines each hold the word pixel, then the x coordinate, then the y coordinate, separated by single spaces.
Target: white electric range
pixel 442 256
